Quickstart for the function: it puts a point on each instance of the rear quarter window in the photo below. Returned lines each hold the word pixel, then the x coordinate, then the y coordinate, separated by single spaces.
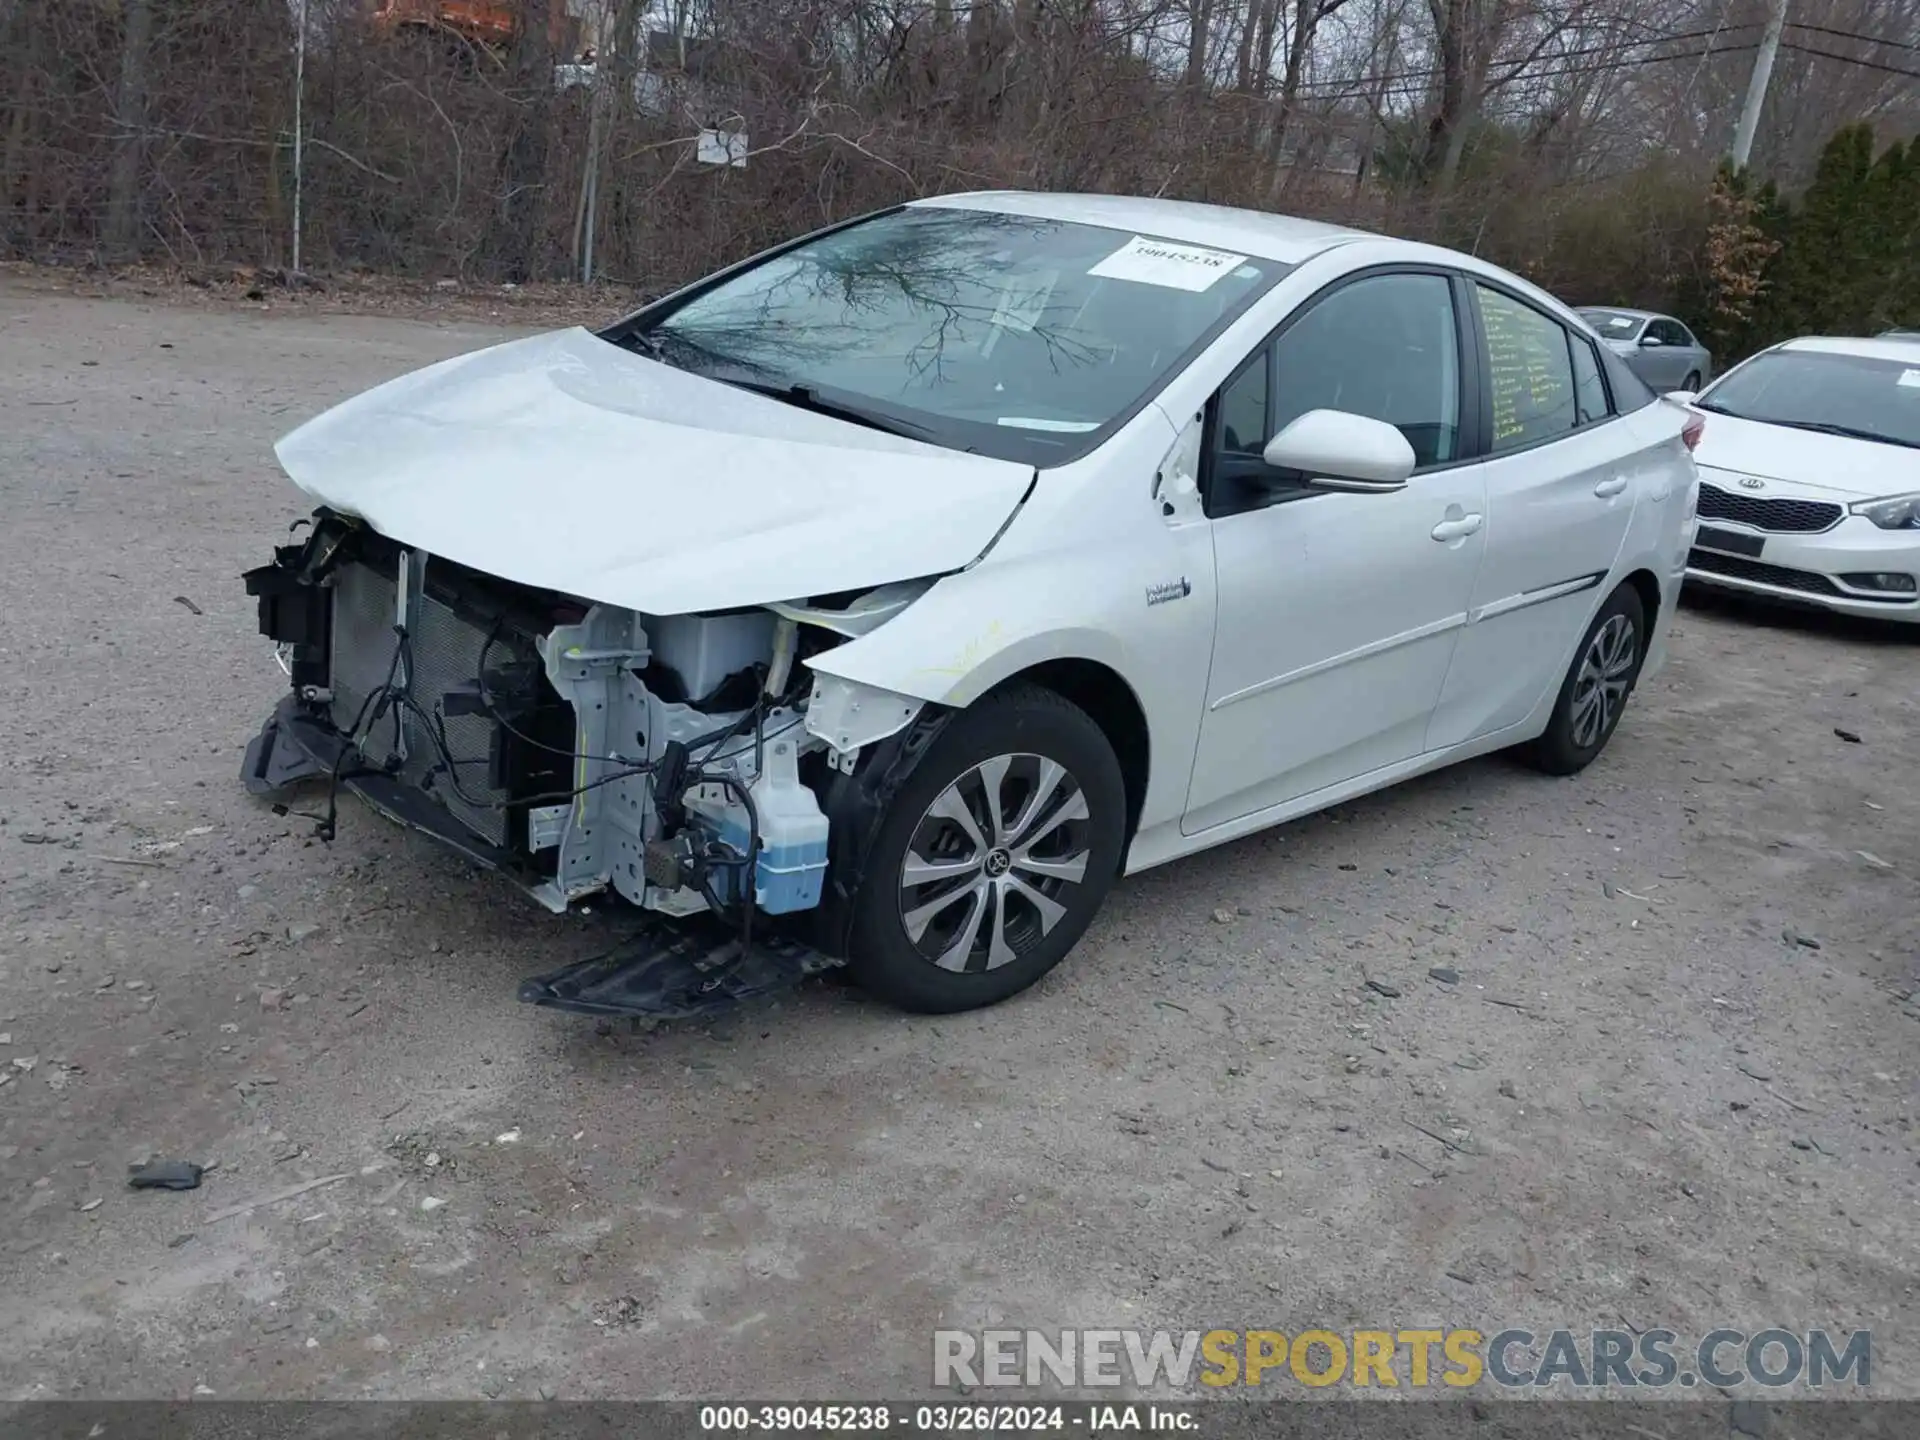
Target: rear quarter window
pixel 1630 392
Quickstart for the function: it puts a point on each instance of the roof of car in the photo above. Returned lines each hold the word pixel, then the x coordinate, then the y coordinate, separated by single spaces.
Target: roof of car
pixel 1623 310
pixel 1877 349
pixel 1250 232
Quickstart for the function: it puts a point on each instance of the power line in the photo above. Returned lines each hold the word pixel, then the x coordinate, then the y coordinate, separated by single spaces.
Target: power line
pixel 1850 60
pixel 1855 35
pixel 1397 81
pixel 1555 65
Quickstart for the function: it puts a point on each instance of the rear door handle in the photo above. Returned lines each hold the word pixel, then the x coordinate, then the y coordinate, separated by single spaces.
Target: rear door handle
pixel 1607 489
pixel 1458 529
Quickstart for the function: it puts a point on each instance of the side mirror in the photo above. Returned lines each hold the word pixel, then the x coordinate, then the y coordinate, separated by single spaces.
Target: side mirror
pixel 1651 342
pixel 1681 397
pixel 1339 451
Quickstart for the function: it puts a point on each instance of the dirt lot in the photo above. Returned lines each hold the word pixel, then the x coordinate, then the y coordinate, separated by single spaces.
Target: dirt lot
pixel 1639 1105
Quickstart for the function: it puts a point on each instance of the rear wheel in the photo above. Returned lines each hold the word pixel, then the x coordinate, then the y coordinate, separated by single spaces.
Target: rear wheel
pixel 993 857
pixel 1692 383
pixel 1602 676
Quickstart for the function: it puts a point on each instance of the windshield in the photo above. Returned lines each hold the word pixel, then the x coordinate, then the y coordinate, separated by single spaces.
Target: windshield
pixel 1022 338
pixel 1614 324
pixel 1818 390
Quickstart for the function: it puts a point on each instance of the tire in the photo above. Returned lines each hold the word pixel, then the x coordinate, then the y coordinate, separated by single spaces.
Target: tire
pixel 1605 666
pixel 1692 382
pixel 992 922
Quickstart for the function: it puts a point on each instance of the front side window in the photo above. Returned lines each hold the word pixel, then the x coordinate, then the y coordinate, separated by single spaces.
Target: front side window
pixel 1012 336
pixel 1529 372
pixel 1243 408
pixel 1863 397
pixel 1386 347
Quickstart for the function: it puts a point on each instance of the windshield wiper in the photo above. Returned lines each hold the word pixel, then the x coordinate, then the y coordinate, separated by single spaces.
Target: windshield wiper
pixel 1821 427
pixel 684 354
pixel 806 397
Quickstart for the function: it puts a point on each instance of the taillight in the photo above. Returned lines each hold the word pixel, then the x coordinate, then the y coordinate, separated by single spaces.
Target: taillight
pixel 1691 432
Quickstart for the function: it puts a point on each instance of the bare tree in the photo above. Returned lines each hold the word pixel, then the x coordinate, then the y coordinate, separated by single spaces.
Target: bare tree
pixel 1573 138
pixel 523 160
pixel 130 126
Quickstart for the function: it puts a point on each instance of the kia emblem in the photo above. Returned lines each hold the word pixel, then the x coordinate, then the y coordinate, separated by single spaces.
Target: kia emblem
pixel 1748 482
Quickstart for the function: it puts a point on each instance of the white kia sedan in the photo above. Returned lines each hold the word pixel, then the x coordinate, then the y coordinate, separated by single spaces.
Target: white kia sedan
pixel 891 594
pixel 1810 477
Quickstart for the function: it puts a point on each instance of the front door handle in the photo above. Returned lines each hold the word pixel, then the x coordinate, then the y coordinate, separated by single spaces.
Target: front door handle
pixel 1607 489
pixel 1458 529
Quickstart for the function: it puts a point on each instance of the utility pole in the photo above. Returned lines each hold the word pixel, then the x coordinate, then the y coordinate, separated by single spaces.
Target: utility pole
pixel 299 127
pixel 1757 86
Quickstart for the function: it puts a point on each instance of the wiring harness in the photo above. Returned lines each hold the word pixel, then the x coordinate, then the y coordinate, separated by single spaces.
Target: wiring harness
pixel 676 772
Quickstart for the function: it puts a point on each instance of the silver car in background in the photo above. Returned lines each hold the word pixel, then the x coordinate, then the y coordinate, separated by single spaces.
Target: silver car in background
pixel 1657 348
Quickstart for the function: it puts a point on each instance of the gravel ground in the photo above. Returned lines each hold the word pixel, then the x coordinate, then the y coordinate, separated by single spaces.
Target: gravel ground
pixel 1641 1103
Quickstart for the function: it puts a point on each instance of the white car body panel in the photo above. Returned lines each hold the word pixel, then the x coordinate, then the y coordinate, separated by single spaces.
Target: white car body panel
pixel 1334 641
pixel 1804 462
pixel 565 462
pixel 1283 659
pixel 1557 530
pixel 1069 579
pixel 1752 459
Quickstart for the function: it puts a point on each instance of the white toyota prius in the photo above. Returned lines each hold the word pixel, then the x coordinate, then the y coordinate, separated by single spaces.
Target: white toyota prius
pixel 1810 477
pixel 891 594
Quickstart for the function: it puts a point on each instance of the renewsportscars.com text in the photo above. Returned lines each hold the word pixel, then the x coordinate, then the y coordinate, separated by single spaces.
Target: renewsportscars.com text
pixel 1413 1358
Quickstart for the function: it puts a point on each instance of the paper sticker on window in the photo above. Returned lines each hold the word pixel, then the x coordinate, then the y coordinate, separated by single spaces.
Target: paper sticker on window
pixel 1161 262
pixel 1909 377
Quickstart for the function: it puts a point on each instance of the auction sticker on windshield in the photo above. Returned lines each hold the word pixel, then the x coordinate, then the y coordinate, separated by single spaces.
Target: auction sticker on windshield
pixel 1161 262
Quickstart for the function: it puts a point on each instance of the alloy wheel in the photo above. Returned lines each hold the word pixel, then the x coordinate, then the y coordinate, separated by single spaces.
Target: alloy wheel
pixel 1600 688
pixel 994 862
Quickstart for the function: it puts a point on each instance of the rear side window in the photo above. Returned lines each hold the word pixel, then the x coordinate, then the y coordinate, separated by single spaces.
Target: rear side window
pixel 1529 373
pixel 1630 392
pixel 1589 390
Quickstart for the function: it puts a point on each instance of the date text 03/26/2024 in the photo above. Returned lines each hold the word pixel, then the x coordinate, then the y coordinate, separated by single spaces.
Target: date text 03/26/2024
pixel 939 1419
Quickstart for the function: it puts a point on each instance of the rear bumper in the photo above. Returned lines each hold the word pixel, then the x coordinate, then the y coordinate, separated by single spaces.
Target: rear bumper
pixel 1815 569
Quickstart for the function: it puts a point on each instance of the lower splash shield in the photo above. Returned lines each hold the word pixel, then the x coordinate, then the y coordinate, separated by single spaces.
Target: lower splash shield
pixel 678 969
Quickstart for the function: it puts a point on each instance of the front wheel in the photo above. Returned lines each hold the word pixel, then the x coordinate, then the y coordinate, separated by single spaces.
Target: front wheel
pixel 1602 676
pixel 992 858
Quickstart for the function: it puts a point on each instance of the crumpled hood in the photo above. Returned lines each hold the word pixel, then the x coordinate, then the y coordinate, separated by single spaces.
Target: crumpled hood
pixel 566 462
pixel 1836 466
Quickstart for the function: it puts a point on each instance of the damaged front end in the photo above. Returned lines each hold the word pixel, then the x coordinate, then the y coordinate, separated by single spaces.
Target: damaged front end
pixel 686 763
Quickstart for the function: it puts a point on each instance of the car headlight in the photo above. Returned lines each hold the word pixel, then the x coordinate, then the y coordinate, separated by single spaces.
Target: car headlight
pixel 1896 512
